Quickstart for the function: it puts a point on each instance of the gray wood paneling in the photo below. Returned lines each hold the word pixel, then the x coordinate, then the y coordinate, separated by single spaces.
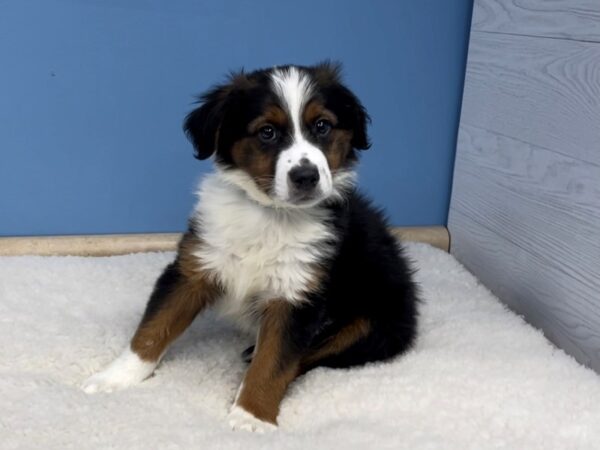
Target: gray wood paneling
pixel 525 208
pixel 529 285
pixel 569 19
pixel 557 182
pixel 542 91
pixel 545 204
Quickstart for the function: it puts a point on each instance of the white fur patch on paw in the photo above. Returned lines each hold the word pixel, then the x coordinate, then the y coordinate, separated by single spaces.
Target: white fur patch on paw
pixel 240 419
pixel 128 369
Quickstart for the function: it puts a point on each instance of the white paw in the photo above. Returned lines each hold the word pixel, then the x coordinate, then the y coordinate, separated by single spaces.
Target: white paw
pixel 240 419
pixel 127 370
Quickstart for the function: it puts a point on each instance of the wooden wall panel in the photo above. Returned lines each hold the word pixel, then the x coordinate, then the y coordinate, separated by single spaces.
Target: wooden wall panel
pixel 542 91
pixel 531 286
pixel 568 19
pixel 525 209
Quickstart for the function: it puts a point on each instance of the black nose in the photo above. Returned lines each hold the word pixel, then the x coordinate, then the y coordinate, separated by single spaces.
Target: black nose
pixel 304 177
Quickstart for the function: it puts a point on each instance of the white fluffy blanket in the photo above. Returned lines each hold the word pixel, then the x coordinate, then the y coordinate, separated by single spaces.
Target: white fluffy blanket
pixel 479 378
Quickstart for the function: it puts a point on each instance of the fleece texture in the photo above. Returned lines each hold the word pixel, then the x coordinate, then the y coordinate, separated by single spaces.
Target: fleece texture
pixel 478 378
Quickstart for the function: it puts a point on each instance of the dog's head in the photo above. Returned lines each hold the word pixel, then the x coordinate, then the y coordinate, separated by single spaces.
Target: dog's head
pixel 287 136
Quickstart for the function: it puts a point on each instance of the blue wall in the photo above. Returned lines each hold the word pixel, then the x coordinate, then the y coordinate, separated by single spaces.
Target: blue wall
pixel 93 94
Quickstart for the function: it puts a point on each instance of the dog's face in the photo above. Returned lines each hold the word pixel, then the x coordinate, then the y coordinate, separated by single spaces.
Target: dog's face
pixel 287 136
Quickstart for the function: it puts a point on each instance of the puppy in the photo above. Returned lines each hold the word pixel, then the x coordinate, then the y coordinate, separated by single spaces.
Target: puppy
pixel 280 242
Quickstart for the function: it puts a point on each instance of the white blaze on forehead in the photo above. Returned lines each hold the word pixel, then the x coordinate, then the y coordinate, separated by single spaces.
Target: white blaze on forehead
pixel 295 88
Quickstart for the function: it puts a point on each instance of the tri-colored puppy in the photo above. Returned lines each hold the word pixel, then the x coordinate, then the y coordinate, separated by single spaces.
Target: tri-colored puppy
pixel 280 241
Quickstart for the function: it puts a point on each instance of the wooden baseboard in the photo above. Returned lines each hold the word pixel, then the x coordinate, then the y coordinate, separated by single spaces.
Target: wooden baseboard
pixel 436 236
pixel 120 244
pixel 88 245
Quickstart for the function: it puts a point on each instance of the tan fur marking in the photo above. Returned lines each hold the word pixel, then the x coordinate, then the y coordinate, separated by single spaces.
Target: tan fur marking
pixel 248 155
pixel 339 143
pixel 316 110
pixel 271 371
pixel 272 115
pixel 345 338
pixel 338 149
pixel 190 295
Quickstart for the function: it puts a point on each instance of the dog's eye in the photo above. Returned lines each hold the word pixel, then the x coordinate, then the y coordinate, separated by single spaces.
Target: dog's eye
pixel 322 127
pixel 268 133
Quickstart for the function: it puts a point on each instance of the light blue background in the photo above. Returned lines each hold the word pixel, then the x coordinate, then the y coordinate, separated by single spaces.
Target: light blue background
pixel 93 94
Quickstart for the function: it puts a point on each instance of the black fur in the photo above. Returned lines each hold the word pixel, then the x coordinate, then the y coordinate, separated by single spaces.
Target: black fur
pixel 368 277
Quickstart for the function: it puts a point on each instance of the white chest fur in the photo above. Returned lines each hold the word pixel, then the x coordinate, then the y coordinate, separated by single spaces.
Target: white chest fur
pixel 257 252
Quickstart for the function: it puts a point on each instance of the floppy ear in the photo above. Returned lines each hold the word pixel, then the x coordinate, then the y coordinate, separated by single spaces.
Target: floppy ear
pixel 360 138
pixel 202 125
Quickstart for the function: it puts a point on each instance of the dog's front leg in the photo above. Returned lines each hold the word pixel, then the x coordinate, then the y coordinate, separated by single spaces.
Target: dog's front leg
pixel 180 293
pixel 274 366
